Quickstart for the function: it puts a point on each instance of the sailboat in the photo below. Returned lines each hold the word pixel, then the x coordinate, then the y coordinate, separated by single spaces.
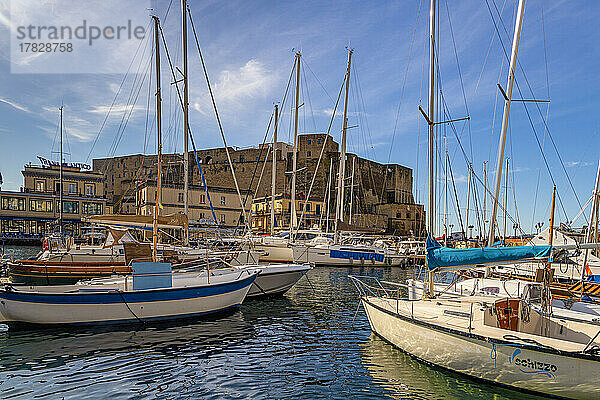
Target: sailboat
pixel 514 341
pixel 152 292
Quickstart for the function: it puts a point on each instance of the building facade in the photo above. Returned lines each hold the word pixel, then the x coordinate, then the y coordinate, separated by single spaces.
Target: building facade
pixel 225 203
pixel 35 209
pixel 380 194
pixel 261 212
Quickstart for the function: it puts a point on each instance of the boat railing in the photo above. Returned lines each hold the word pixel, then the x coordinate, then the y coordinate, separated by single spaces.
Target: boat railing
pixel 378 288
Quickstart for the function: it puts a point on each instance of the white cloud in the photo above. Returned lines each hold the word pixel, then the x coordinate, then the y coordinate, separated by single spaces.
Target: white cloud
pixel 571 164
pixel 116 109
pixel 233 87
pixel 14 105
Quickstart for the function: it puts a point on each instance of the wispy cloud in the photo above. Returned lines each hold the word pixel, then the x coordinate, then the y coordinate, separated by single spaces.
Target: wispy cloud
pixel 572 164
pixel 14 105
pixel 116 109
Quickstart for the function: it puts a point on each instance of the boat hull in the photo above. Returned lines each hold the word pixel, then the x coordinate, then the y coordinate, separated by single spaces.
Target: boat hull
pixel 507 364
pixel 111 306
pixel 328 257
pixel 276 280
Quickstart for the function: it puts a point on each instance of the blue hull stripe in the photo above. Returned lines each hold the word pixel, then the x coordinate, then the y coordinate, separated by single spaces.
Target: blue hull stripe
pixel 112 297
pixel 355 255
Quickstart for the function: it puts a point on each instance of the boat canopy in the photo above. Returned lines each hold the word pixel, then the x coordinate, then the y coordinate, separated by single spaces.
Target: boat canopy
pixel 172 221
pixel 443 258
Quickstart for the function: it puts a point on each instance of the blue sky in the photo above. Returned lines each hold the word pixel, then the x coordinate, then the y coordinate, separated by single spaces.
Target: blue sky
pixel 249 50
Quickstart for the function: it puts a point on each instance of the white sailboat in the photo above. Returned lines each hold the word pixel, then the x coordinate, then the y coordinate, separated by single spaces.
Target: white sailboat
pixel 513 339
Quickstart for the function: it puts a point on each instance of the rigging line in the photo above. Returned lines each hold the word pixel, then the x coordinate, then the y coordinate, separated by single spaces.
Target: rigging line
pixel 543 120
pixel 120 128
pixel 305 64
pixel 237 187
pixel 307 196
pixel 412 42
pixel 115 98
pixel 306 93
pixel 458 213
pixel 265 137
pixel 189 133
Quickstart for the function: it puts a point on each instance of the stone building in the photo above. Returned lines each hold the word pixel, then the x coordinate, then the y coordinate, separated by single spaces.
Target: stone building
pixel 34 210
pixel 381 197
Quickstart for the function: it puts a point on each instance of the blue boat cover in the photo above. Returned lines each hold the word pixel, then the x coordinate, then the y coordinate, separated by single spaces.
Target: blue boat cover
pixel 356 255
pixel 151 275
pixel 439 257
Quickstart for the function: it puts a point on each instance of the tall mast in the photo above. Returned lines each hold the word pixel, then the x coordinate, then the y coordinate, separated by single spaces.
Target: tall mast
pixel 186 163
pixel 431 202
pixel 60 201
pixel 339 211
pixel 327 214
pixel 158 199
pixel 485 190
pixel 468 200
pixel 351 191
pixel 446 191
pixel 295 149
pixel 274 171
pixel 507 102
pixel 589 232
pixel 505 201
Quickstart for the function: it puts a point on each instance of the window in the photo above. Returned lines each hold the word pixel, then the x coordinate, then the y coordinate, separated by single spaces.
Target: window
pixel 308 175
pixel 308 154
pixel 40 186
pixel 308 141
pixel 201 215
pixel 318 209
pixel 39 205
pixel 202 199
pixel 180 197
pixel 57 187
pixel 307 207
pixel 223 201
pixel 69 207
pixel 319 141
pixel 242 158
pixel 92 208
pixel 90 190
pixel 72 188
pixel 222 218
pixel 13 203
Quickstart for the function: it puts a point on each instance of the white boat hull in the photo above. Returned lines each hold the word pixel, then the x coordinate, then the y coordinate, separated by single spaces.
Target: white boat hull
pixel 509 364
pixel 277 279
pixel 322 255
pixel 91 306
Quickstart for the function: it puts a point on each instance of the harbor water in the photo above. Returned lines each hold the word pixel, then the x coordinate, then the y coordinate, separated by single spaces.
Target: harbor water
pixel 312 343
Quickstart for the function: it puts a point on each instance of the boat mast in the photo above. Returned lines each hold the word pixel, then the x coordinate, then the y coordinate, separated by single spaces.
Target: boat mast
pixel 485 190
pixel 351 191
pixel 186 165
pixel 159 144
pixel 295 149
pixel 327 214
pixel 339 211
pixel 468 200
pixel 274 171
pixel 507 102
pixel 446 191
pixel 60 201
pixel 589 232
pixel 505 201
pixel 431 203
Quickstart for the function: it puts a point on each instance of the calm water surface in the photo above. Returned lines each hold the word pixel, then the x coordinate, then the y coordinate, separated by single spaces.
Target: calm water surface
pixel 312 344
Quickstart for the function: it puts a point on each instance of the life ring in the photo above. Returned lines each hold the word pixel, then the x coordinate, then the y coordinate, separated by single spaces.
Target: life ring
pixel 45 244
